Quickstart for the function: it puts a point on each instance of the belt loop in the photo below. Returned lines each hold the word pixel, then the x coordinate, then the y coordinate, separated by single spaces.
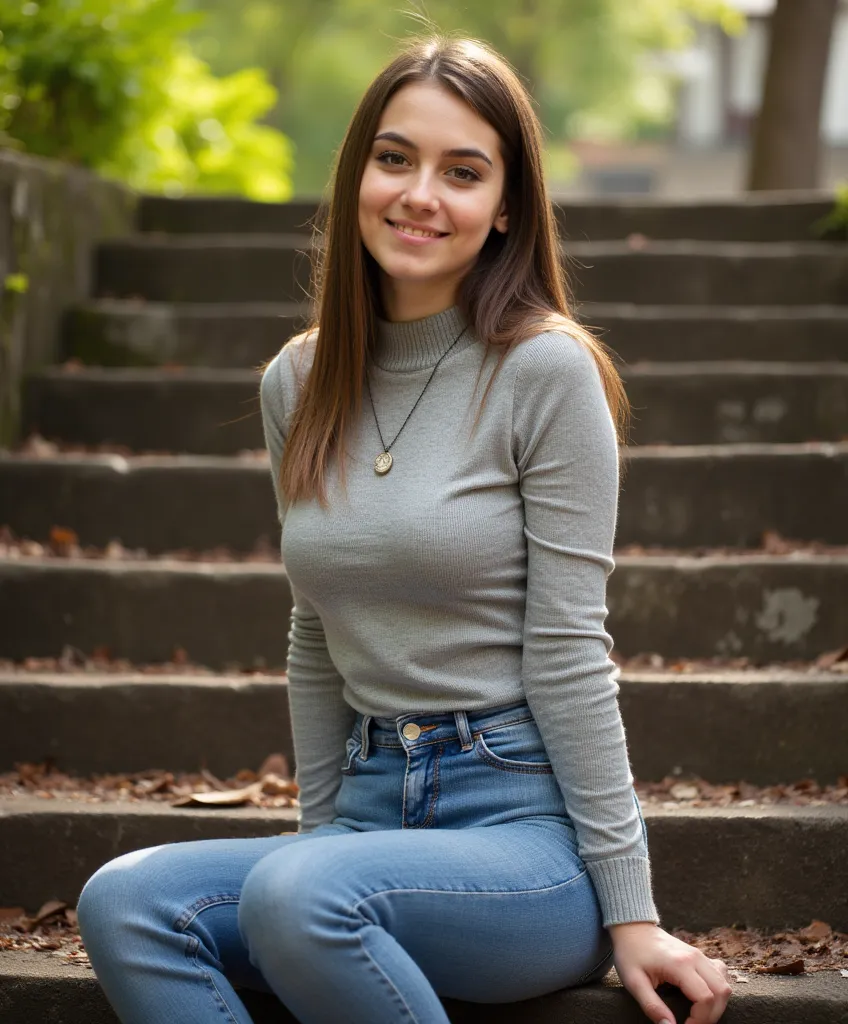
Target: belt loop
pixel 463 729
pixel 366 721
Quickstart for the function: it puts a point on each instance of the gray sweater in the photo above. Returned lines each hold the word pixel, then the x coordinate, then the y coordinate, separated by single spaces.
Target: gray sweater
pixel 472 574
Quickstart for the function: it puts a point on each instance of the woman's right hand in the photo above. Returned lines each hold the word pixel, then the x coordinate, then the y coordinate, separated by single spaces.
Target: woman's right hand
pixel 646 955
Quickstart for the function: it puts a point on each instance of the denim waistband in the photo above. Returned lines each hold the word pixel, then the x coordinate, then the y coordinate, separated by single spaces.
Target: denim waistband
pixel 436 727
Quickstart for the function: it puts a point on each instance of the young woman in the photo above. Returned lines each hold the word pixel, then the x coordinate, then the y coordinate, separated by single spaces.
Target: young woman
pixel 469 824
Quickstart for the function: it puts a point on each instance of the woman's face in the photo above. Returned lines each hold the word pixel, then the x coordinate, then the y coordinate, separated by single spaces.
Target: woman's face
pixel 412 178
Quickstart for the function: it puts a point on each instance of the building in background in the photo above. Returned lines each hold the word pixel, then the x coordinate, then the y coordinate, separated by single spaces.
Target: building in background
pixel 721 80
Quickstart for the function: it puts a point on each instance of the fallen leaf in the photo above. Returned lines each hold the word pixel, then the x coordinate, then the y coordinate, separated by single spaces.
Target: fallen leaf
pixel 222 798
pixel 275 764
pixel 50 909
pixel 684 791
pixel 784 967
pixel 63 537
pixel 831 658
pixel 274 785
pixel 816 930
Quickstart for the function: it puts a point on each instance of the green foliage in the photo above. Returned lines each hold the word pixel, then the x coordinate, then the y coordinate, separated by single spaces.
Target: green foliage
pixel 595 67
pixel 113 85
pixel 17 283
pixel 836 222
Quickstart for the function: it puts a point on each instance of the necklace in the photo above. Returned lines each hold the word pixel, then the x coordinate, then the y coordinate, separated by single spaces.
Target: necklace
pixel 383 462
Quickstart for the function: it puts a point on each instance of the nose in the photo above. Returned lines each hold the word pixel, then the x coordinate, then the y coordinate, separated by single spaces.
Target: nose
pixel 420 194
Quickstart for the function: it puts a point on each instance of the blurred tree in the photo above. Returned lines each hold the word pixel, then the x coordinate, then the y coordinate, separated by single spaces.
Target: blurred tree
pixel 588 63
pixel 787 144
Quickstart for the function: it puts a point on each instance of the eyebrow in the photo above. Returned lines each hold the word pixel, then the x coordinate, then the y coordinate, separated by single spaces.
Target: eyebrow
pixel 403 141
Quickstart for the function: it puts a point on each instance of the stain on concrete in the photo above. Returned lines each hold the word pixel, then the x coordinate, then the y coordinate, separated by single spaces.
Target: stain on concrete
pixel 787 614
pixel 730 644
pixel 769 410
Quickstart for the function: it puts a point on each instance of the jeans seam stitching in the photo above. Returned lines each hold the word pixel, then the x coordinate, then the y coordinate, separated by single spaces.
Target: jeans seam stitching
pixel 592 970
pixel 431 813
pixel 379 969
pixel 201 904
pixel 469 892
pixel 522 767
pixel 429 743
pixel 191 954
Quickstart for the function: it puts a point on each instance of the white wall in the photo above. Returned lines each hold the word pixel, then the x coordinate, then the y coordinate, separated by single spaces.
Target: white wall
pixel 700 117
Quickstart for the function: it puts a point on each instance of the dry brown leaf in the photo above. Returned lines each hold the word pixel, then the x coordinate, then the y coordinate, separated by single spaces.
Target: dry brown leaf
pixel 51 908
pixel 783 967
pixel 275 764
pixel 222 798
pixel 816 930
pixel 830 658
pixel 274 785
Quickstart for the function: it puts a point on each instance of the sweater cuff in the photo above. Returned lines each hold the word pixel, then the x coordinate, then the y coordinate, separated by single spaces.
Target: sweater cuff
pixel 623 887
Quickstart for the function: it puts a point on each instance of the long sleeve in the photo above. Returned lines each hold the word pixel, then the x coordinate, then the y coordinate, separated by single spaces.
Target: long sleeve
pixel 565 447
pixel 321 719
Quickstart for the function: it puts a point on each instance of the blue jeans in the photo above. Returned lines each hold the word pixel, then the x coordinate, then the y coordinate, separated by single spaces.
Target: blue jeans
pixel 450 869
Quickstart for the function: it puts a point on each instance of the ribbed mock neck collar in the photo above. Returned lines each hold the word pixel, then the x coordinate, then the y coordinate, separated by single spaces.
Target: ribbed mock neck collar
pixel 419 344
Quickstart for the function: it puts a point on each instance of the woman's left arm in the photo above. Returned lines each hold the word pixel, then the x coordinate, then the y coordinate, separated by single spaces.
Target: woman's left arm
pixel 566 451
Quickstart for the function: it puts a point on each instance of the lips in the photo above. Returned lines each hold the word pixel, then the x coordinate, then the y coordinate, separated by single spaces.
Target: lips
pixel 400 227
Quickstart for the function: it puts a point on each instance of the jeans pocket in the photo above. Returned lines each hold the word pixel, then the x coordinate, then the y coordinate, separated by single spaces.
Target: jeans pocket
pixel 517 747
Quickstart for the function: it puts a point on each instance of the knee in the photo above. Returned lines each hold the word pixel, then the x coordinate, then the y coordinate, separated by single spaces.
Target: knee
pixel 288 900
pixel 113 895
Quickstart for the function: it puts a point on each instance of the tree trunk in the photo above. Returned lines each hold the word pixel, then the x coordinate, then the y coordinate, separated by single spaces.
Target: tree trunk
pixel 786 143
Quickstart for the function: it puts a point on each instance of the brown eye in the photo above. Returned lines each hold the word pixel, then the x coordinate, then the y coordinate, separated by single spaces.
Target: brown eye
pixel 388 153
pixel 474 175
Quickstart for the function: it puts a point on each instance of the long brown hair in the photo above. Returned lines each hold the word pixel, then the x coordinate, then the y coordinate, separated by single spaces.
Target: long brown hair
pixel 516 289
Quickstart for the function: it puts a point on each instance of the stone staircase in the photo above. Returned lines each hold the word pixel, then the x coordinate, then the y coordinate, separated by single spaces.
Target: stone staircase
pixel 730 322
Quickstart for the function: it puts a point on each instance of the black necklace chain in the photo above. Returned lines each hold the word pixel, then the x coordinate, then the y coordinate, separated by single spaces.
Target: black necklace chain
pixel 383 462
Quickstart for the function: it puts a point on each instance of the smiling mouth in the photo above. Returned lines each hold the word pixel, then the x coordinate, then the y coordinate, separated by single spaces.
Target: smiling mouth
pixel 416 232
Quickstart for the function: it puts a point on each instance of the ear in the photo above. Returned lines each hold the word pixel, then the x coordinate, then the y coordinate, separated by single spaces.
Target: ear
pixel 500 222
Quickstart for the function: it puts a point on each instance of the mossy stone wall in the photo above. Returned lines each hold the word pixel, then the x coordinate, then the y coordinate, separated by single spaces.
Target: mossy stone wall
pixel 51 217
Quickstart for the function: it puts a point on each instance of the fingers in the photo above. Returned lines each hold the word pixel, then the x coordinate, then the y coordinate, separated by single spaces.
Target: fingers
pixel 640 987
pixel 712 975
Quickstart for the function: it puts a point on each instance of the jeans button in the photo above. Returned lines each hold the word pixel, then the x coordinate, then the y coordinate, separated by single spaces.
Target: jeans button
pixel 411 731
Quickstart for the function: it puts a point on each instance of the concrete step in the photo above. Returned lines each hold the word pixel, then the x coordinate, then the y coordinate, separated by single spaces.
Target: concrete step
pixel 276 268
pixel 749 217
pixel 36 987
pixel 89 834
pixel 231 214
pixel 174 721
pixel 122 332
pixel 767 866
pixel 642 333
pixel 766 726
pixel 216 412
pixel 672 496
pixel 766 607
pixel 725 403
pixel 710 273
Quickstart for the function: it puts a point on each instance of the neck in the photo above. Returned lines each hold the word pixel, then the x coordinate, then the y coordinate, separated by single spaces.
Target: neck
pixel 414 300
pixel 419 344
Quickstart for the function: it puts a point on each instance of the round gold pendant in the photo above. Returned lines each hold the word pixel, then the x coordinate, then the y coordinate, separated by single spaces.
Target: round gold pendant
pixel 383 463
